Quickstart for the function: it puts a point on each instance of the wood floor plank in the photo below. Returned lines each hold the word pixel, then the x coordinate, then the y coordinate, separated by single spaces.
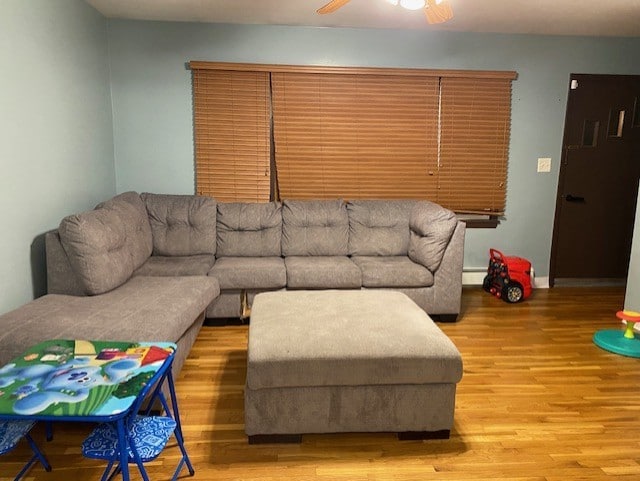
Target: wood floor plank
pixel 538 402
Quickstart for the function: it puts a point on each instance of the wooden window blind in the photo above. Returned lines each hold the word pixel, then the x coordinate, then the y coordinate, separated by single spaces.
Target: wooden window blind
pixel 353 132
pixel 355 136
pixel 232 134
pixel 474 143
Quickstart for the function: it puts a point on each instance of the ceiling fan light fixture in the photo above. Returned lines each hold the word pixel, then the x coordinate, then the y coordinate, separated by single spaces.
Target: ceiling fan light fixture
pixel 412 4
pixel 436 11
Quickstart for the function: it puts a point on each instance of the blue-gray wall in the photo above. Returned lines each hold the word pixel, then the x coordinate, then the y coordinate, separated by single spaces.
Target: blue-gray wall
pixel 152 105
pixel 56 137
pixel 64 67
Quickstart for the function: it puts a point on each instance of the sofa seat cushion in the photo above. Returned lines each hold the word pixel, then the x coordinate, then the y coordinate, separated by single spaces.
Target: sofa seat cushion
pixel 106 245
pixel 177 265
pixel 326 272
pixel 315 228
pixel 249 229
pixel 143 309
pixel 379 227
pixel 250 272
pixel 182 225
pixel 392 271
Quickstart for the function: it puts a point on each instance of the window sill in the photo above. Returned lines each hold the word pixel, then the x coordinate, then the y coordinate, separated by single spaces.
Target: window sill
pixel 479 221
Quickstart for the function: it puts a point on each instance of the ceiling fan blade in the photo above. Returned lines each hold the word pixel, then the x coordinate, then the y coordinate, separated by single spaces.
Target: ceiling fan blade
pixel 332 6
pixel 438 12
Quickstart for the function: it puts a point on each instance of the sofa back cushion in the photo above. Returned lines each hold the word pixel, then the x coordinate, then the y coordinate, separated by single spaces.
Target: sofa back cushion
pixel 431 229
pixel 379 227
pixel 249 229
pixel 182 225
pixel 107 244
pixel 315 228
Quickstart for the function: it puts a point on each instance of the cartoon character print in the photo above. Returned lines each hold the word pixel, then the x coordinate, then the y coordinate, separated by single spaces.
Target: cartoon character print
pixel 10 373
pixel 69 382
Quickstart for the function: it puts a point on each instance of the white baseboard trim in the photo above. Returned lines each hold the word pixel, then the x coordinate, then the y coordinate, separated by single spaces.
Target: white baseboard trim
pixel 474 277
pixel 541 282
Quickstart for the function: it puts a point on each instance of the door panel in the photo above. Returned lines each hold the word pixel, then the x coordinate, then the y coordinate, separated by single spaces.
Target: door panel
pixel 598 179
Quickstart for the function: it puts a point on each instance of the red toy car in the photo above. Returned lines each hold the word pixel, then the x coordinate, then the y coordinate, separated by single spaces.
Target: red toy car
pixel 508 277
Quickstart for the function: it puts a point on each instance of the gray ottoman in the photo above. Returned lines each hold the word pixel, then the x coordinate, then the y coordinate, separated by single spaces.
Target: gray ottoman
pixel 347 361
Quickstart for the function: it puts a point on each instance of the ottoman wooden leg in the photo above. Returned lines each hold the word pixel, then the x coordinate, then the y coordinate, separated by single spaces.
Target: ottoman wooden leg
pixel 416 435
pixel 275 439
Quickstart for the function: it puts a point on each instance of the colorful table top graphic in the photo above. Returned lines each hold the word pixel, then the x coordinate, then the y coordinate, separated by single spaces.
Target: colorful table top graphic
pixel 70 378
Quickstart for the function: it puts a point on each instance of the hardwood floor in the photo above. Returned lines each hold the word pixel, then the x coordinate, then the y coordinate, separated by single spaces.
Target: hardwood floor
pixel 538 401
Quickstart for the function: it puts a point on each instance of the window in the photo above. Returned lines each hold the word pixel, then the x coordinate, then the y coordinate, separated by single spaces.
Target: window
pixel 590 133
pixel 355 136
pixel 616 123
pixel 360 133
pixel 232 134
pixel 474 144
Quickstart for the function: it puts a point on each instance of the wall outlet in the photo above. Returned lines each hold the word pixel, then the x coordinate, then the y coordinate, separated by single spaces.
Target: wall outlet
pixel 544 164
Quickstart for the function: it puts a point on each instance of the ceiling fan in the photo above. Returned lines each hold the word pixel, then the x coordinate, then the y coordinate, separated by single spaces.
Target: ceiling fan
pixel 436 11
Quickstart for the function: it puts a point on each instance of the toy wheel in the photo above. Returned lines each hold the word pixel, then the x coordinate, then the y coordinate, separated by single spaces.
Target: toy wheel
pixel 486 283
pixel 513 293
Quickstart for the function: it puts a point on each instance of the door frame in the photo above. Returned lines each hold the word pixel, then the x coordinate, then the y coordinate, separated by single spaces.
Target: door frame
pixel 559 192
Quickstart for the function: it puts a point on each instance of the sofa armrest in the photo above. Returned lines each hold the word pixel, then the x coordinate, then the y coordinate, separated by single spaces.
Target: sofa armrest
pixel 60 277
pixel 447 285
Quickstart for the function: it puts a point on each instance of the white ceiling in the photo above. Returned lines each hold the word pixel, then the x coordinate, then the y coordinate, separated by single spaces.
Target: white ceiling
pixel 620 18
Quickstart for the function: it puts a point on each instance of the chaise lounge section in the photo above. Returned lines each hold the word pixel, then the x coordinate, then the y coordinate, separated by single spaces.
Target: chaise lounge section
pixel 143 309
pixel 101 297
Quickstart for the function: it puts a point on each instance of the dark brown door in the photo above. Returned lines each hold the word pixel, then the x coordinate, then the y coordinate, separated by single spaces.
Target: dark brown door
pixel 598 181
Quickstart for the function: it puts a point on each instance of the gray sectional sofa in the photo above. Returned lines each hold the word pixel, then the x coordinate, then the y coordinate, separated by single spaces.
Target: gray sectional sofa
pixel 150 267
pixel 415 247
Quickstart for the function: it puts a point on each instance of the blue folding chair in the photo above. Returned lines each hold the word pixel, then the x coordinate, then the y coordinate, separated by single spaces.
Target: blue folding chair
pixel 11 432
pixel 146 433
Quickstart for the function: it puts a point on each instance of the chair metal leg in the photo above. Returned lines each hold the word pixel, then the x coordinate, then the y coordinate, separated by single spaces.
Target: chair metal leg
pixel 37 453
pixel 37 456
pixel 122 445
pixel 108 475
pixel 178 469
pixel 136 458
pixel 25 468
pixel 178 430
pixel 185 456
pixel 127 432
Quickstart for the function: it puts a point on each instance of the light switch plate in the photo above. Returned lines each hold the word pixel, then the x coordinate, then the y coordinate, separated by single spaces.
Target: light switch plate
pixel 544 164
